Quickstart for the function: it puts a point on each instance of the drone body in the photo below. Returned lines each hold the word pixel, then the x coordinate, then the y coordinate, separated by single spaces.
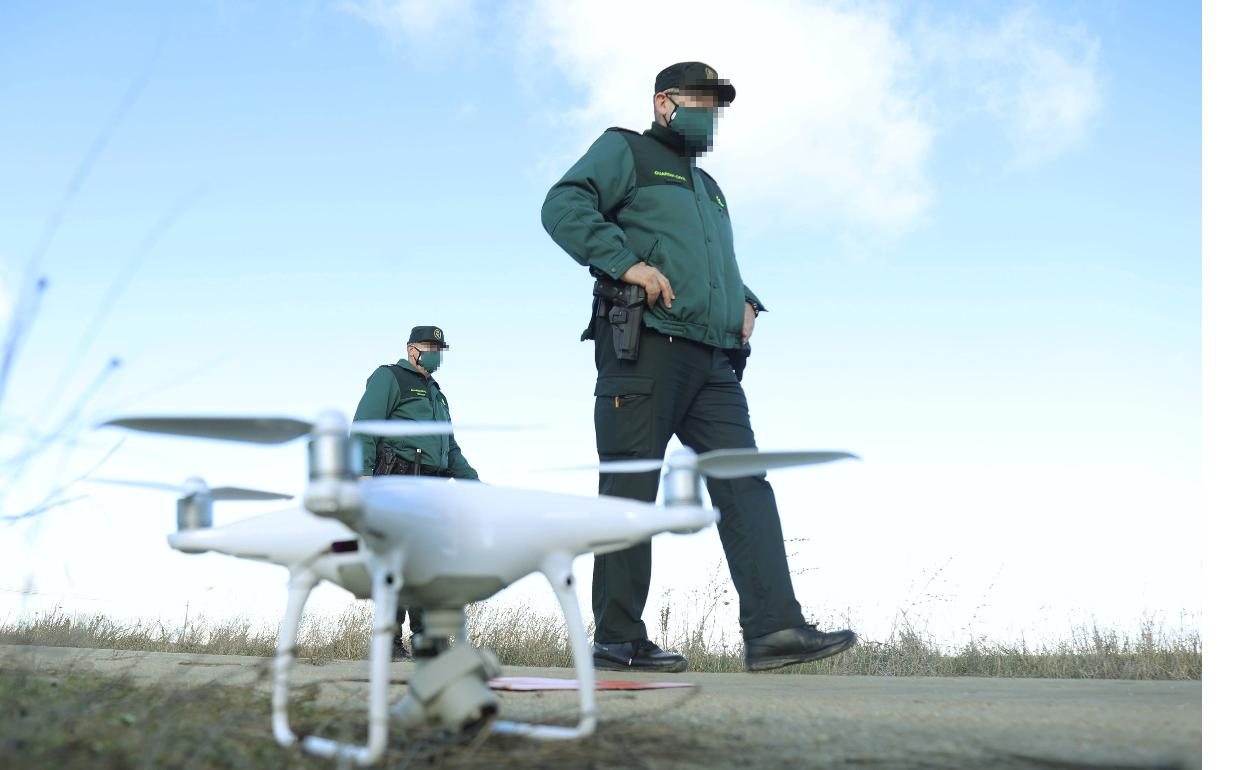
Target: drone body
pixel 466 541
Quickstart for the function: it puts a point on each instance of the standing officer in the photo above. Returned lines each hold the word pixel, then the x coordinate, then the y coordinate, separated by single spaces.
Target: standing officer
pixel 407 391
pixel 671 327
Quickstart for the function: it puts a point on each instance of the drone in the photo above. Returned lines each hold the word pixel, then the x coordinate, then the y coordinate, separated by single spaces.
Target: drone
pixel 433 543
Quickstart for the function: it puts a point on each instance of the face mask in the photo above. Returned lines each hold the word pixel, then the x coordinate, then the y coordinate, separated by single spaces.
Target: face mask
pixel 696 125
pixel 431 360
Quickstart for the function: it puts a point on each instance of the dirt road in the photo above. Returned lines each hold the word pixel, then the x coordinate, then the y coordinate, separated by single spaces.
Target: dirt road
pixel 777 720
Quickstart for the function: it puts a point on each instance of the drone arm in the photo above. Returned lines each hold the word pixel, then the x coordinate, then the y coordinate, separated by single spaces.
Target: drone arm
pixel 387 580
pixel 301 583
pixel 558 570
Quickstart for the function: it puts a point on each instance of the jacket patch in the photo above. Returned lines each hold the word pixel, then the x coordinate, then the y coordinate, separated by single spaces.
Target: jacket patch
pixel 670 175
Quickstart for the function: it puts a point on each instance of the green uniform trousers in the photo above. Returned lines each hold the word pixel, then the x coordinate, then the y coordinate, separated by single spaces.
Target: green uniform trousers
pixel 677 386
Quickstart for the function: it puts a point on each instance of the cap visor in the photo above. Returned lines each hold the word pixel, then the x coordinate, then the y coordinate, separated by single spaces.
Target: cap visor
pixel 724 92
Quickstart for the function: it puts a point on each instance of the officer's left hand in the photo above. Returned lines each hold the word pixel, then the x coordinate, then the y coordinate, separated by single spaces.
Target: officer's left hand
pixel 747 325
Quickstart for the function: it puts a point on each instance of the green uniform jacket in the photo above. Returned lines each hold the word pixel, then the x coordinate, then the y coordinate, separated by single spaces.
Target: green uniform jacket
pixel 384 399
pixel 636 198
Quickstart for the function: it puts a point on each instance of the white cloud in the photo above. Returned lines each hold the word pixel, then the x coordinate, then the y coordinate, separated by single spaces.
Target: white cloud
pixel 411 18
pixel 839 104
pixel 825 123
pixel 1040 80
pixel 424 28
pixel 1052 90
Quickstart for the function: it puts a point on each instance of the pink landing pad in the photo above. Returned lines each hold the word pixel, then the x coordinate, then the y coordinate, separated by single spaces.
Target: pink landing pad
pixel 540 683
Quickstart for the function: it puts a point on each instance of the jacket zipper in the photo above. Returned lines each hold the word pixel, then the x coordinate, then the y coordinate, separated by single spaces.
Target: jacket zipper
pixel 710 272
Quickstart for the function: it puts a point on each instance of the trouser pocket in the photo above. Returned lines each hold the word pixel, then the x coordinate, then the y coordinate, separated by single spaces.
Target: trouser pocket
pixel 623 415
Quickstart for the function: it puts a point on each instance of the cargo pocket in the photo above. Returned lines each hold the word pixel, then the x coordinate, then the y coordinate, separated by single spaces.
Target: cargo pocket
pixel 624 415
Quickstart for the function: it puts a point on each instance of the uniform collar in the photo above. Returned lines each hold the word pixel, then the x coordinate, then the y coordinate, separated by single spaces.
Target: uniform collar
pixel 668 136
pixel 403 362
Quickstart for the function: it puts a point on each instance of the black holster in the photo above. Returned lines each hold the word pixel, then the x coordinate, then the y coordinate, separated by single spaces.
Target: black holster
pixel 622 305
pixel 390 464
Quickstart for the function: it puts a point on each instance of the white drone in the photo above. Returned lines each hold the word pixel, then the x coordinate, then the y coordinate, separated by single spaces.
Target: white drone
pixel 434 545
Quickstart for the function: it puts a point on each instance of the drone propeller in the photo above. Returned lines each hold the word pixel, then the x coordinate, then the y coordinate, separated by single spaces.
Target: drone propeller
pixel 255 430
pixel 277 430
pixel 429 427
pixel 402 427
pixel 194 486
pixel 242 493
pixel 729 463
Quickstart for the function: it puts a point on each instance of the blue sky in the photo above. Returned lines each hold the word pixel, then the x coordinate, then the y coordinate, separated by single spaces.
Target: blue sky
pixel 977 227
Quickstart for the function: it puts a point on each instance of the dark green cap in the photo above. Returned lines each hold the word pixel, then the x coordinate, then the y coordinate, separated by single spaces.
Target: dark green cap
pixel 428 334
pixel 695 76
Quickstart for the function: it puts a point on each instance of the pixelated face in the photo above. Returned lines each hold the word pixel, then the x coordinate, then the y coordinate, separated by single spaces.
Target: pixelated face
pixel 427 347
pixel 667 101
pixel 697 99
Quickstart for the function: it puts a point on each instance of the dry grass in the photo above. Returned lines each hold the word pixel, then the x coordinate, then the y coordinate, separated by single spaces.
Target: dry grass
pixel 339 637
pixel 1089 652
pixel 524 637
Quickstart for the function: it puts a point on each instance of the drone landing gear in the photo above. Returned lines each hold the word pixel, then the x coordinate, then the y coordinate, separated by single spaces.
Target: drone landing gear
pixel 450 690
pixel 387 580
pixel 301 585
pixel 558 571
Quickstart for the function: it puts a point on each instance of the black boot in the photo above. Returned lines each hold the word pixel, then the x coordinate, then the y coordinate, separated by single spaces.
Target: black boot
pixel 795 645
pixel 637 655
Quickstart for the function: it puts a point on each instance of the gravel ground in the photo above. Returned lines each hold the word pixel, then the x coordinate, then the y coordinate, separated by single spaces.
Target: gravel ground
pixel 761 720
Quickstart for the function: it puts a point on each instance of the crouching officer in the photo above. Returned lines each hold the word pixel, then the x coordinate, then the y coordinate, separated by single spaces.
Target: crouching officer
pixel 406 390
pixel 671 326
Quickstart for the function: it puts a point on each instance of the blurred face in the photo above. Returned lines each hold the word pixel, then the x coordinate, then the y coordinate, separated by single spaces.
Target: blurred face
pixel 666 102
pixel 415 348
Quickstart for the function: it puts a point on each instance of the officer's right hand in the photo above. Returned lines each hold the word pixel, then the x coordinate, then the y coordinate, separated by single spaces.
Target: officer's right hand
pixel 654 282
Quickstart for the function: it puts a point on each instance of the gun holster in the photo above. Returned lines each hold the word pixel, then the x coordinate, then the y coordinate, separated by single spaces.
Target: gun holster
pixel 622 305
pixel 390 464
pixel 385 459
